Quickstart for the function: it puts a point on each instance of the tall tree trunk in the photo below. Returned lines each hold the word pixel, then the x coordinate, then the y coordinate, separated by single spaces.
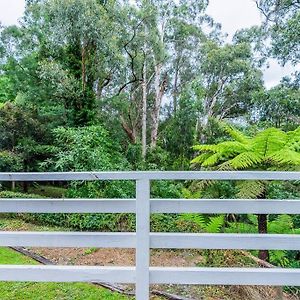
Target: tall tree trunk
pixel 131 132
pixel 159 85
pixel 209 104
pixel 203 126
pixel 175 90
pixel 144 112
pixel 263 229
pixel 159 92
pixel 83 67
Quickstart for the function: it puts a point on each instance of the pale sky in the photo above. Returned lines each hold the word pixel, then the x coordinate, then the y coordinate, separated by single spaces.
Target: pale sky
pixel 232 14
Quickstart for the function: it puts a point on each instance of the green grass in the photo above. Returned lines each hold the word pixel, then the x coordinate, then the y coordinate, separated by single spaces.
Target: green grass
pixel 48 291
pixel 10 257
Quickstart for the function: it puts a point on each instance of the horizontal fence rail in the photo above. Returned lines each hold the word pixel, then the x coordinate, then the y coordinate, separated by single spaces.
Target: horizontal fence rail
pixel 204 206
pixel 157 240
pixel 150 175
pixel 143 240
pixel 207 276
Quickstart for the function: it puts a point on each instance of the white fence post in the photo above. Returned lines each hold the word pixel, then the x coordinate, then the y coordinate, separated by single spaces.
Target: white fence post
pixel 142 239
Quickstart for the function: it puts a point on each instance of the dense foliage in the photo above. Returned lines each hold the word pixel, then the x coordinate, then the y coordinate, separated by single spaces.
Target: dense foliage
pixel 90 85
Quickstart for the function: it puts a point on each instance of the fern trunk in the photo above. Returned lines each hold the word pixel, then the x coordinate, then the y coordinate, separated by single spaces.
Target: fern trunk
pixel 263 229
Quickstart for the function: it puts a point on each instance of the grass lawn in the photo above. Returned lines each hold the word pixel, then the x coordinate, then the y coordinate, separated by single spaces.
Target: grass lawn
pixel 48 291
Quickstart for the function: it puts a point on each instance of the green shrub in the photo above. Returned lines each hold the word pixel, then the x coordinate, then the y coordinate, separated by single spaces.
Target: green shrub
pixel 10 162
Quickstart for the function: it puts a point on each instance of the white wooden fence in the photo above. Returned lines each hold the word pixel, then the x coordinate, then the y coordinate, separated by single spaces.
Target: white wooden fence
pixel 143 240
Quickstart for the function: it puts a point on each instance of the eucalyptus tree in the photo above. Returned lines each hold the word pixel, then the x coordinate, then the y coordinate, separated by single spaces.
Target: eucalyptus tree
pixel 125 96
pixel 18 63
pixel 228 79
pixel 155 35
pixel 80 40
pixel 186 38
pixel 278 106
pixel 282 23
pixel 67 49
pixel 174 31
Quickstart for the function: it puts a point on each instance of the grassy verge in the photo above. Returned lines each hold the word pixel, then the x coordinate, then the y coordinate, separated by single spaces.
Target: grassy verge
pixel 47 291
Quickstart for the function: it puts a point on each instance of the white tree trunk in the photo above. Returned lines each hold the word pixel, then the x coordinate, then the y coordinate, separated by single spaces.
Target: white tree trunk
pixel 159 91
pixel 159 87
pixel 144 112
pixel 203 120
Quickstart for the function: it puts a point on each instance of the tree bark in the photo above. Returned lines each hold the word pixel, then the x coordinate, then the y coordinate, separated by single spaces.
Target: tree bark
pixel 144 112
pixel 263 229
pixel 159 85
pixel 159 92
pixel 83 67
pixel 203 126
pixel 131 132
pixel 175 90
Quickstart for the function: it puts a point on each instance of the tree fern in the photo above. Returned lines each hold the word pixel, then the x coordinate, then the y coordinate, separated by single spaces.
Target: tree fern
pixel 270 149
pixel 282 224
pixel 251 189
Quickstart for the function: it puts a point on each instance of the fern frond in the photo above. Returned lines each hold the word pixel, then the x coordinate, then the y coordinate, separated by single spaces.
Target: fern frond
pixel 188 194
pixel 207 148
pixel 218 153
pixel 212 160
pixel 294 145
pixel 232 148
pixel 200 158
pixel 282 224
pixel 246 160
pixel 201 185
pixel 215 224
pixel 239 227
pixel 269 141
pixel 253 219
pixel 251 189
pixel 293 136
pixel 234 133
pixel 279 257
pixel 196 218
pixel 225 166
pixel 285 156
